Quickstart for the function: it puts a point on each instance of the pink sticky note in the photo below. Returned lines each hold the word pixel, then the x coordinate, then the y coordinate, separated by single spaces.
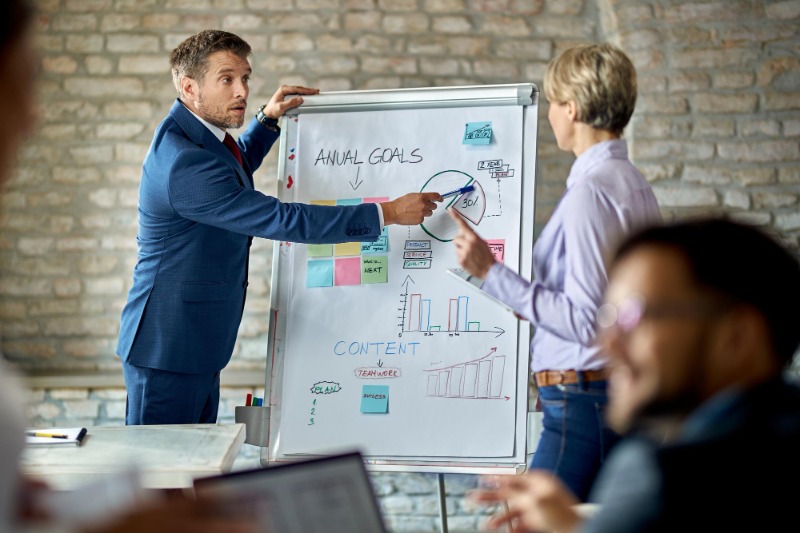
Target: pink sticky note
pixel 347 271
pixel 498 248
pixel 378 200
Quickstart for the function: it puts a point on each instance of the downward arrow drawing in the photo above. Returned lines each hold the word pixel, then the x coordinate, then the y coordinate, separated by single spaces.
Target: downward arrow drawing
pixel 357 182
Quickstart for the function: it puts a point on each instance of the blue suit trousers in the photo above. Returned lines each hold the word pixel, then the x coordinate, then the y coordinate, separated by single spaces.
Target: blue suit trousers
pixel 163 397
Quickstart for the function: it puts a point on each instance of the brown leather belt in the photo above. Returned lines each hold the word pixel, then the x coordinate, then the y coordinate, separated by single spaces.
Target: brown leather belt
pixel 546 378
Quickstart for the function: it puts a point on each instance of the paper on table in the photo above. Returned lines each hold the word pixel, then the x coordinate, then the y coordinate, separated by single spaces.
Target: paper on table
pixel 74 437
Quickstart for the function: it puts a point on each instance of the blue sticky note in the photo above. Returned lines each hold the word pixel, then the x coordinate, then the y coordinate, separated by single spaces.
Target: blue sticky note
pixel 348 201
pixel 375 399
pixel 381 246
pixel 477 133
pixel 319 273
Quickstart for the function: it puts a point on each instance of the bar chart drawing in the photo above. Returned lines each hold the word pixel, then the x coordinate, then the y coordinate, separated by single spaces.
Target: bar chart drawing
pixel 416 314
pixel 477 379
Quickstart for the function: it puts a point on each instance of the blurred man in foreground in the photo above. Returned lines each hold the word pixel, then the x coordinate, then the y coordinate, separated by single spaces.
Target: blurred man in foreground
pixel 700 322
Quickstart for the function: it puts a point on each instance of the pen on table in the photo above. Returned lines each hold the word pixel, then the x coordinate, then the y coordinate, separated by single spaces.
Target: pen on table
pixel 462 190
pixel 46 435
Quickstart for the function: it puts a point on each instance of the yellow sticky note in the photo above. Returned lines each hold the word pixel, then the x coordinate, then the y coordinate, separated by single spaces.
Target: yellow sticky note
pixel 347 248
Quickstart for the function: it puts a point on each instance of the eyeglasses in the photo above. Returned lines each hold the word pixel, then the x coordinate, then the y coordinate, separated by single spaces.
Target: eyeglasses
pixel 631 311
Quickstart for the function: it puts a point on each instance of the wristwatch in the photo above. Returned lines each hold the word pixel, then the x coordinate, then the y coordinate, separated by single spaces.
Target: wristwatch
pixel 269 123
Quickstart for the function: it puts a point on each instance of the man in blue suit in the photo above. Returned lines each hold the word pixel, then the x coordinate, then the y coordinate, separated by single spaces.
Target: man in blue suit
pixel 198 213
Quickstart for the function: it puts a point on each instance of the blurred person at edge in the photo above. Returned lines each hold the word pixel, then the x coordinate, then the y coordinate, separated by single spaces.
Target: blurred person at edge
pixel 591 90
pixel 700 324
pixel 18 66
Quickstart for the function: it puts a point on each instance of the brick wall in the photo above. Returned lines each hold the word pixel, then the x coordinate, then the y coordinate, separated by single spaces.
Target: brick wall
pixel 717 129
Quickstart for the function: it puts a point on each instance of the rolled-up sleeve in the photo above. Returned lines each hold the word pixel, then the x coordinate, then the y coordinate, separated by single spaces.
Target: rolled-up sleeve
pixel 590 227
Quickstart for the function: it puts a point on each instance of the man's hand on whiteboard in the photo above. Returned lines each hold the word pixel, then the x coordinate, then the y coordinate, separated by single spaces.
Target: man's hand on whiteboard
pixel 411 209
pixel 473 253
pixel 535 501
pixel 278 105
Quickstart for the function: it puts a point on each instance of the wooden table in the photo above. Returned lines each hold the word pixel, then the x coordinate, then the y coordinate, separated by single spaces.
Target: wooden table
pixel 168 456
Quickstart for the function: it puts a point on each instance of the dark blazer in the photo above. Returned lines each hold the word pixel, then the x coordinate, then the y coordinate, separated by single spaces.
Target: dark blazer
pixel 735 467
pixel 198 212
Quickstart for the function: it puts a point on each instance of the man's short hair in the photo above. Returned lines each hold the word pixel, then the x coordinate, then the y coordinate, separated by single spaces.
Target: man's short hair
pixel 600 79
pixel 190 58
pixel 740 263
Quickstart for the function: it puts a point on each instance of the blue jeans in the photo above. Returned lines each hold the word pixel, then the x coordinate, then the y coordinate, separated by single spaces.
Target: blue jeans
pixel 575 440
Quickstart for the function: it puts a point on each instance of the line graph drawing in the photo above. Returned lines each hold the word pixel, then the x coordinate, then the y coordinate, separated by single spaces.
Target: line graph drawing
pixel 476 379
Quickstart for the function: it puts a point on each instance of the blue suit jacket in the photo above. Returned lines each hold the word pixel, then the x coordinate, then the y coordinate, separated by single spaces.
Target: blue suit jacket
pixel 198 211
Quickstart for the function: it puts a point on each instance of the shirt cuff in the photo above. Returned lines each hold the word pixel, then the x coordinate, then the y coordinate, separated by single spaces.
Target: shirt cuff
pixel 380 216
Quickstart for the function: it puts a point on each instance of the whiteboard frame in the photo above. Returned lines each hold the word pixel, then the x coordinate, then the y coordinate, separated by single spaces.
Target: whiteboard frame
pixel 525 95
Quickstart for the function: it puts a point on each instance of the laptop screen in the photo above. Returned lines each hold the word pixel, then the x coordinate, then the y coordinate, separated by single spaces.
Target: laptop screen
pixel 328 494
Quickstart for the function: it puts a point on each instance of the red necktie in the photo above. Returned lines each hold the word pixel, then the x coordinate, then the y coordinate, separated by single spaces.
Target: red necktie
pixel 231 145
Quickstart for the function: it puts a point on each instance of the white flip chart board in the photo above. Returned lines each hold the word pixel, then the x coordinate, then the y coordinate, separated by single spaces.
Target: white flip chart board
pixel 373 345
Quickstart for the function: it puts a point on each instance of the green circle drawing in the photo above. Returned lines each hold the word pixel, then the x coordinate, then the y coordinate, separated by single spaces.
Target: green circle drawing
pixel 470 179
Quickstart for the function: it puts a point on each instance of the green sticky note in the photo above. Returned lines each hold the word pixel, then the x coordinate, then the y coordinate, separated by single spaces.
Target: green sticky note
pixel 374 269
pixel 477 133
pixel 320 250
pixel 375 399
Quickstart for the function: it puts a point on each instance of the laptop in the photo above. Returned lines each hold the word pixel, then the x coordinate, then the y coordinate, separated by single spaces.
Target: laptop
pixel 331 494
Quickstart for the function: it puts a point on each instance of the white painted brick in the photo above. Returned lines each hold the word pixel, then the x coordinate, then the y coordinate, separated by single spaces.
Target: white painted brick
pixel 788 221
pixel 143 64
pixel 405 23
pixel 103 197
pixel 42 410
pixel 120 22
pixel 115 409
pixel 84 348
pixel 751 217
pixel 81 326
pixel 132 43
pixel 109 394
pixel 446 6
pixel 754 176
pixel 760 151
pixel 35 245
pixel 783 10
pixel 790 174
pixel 76 244
pixel 104 286
pixel 69 394
pixel 81 409
pixel 96 87
pixel 736 198
pixel 67 287
pixel 770 199
pixel 686 197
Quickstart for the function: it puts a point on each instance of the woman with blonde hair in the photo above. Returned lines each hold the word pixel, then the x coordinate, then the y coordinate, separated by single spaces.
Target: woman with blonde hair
pixel 591 90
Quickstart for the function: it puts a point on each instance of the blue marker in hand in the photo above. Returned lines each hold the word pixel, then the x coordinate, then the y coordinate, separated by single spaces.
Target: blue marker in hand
pixel 462 190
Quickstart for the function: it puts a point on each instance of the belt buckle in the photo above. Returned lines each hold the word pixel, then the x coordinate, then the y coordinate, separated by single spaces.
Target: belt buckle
pixel 561 378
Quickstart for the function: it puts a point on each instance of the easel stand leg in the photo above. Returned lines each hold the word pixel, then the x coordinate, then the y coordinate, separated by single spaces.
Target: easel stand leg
pixel 442 505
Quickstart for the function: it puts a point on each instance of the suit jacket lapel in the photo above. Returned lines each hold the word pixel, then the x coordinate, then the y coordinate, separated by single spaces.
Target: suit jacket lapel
pixel 202 137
